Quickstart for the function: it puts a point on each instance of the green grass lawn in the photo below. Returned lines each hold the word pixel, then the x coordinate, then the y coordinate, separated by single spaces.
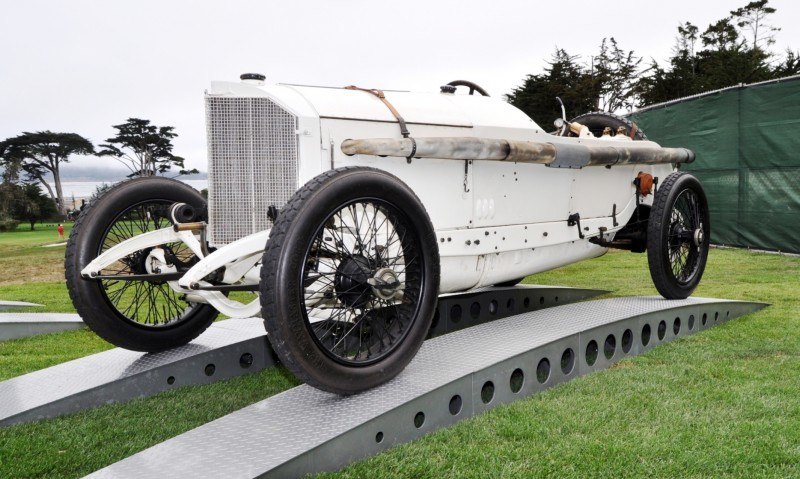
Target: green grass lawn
pixel 32 272
pixel 722 403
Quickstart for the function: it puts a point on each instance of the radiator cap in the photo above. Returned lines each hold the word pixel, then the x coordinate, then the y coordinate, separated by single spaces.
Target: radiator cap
pixel 256 78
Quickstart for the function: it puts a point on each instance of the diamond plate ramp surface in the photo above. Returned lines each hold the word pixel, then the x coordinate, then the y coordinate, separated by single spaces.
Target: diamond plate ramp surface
pixel 227 349
pixel 453 377
pixel 21 325
pixel 118 374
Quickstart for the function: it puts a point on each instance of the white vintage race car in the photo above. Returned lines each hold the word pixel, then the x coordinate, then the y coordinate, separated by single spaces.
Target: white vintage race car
pixel 340 214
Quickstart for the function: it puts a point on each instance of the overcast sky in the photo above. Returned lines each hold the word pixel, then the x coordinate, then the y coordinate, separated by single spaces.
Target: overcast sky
pixel 82 66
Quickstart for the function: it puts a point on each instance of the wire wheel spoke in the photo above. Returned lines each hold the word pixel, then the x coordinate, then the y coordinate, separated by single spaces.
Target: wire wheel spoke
pixel 147 303
pixel 362 281
pixel 683 245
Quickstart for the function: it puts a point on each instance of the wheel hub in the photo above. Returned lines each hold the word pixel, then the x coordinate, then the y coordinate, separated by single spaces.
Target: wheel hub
pixel 699 237
pixel 137 262
pixel 385 283
pixel 156 262
pixel 351 283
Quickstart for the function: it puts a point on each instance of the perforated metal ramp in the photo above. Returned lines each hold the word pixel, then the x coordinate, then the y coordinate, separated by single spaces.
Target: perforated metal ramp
pixel 453 377
pixel 6 305
pixel 227 349
pixel 118 374
pixel 21 325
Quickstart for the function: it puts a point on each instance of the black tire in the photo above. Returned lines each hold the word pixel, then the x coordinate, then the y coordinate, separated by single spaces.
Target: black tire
pixel 678 233
pixel 596 121
pixel 306 246
pixel 100 303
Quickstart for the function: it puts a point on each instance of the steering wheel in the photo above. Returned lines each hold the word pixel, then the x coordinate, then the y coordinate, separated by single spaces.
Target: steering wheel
pixel 472 87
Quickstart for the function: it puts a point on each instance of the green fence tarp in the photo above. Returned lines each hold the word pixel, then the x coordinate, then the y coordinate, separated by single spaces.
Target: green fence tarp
pixel 747 142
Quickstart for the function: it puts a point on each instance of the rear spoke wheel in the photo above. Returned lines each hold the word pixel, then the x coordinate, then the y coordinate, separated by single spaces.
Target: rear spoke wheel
pixel 678 235
pixel 131 303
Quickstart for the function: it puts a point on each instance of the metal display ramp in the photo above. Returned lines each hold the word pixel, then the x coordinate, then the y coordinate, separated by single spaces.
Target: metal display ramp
pixel 453 377
pixel 6 305
pixel 22 325
pixel 227 349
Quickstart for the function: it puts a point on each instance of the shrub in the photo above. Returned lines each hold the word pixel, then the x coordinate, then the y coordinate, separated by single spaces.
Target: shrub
pixel 7 224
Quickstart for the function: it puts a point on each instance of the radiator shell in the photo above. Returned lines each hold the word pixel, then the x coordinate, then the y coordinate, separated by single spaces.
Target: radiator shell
pixel 252 164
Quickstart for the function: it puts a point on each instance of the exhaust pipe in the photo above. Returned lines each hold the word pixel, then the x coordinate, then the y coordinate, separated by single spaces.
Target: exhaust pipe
pixel 558 155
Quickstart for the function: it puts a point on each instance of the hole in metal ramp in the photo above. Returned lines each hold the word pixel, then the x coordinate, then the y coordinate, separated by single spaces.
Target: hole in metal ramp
pixel 171 380
pixel 475 310
pixel 246 360
pixel 455 404
pixel 676 326
pixel 526 302
pixel 627 341
pixel 662 330
pixel 517 380
pixel 493 306
pixel 704 319
pixel 646 334
pixel 691 322
pixel 567 361
pixel 210 369
pixel 610 346
pixel 543 371
pixel 487 392
pixel 591 352
pixel 379 437
pixel 510 305
pixel 455 313
pixel 419 419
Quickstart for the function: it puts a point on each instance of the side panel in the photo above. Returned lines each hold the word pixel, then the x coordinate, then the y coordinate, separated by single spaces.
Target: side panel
pixel 518 193
pixel 440 184
pixel 597 189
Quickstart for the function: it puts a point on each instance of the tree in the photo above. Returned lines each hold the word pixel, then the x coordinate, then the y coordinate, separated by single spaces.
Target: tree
pixel 721 35
pixel 615 73
pixel 790 65
pixel 726 58
pixel 44 152
pixel 9 194
pixel 658 84
pixel 33 205
pixel 687 37
pixel 751 17
pixel 563 77
pixel 143 148
pixel 20 201
pixel 684 47
pixel 608 83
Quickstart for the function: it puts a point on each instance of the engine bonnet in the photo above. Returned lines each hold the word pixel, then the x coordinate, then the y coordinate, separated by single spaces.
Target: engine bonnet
pixel 428 108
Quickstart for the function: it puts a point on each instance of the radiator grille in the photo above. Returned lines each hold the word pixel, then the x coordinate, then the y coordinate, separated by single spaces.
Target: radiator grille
pixel 252 164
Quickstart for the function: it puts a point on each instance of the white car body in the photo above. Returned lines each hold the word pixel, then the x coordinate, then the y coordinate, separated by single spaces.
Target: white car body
pixel 495 221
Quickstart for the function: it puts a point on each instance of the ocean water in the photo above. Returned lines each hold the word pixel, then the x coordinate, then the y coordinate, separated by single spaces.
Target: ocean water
pixel 85 189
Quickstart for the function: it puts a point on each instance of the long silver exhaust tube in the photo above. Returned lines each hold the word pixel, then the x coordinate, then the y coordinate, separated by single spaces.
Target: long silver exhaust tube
pixel 558 155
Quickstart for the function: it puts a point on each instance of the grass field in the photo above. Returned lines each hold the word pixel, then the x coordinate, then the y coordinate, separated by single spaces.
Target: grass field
pixel 723 403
